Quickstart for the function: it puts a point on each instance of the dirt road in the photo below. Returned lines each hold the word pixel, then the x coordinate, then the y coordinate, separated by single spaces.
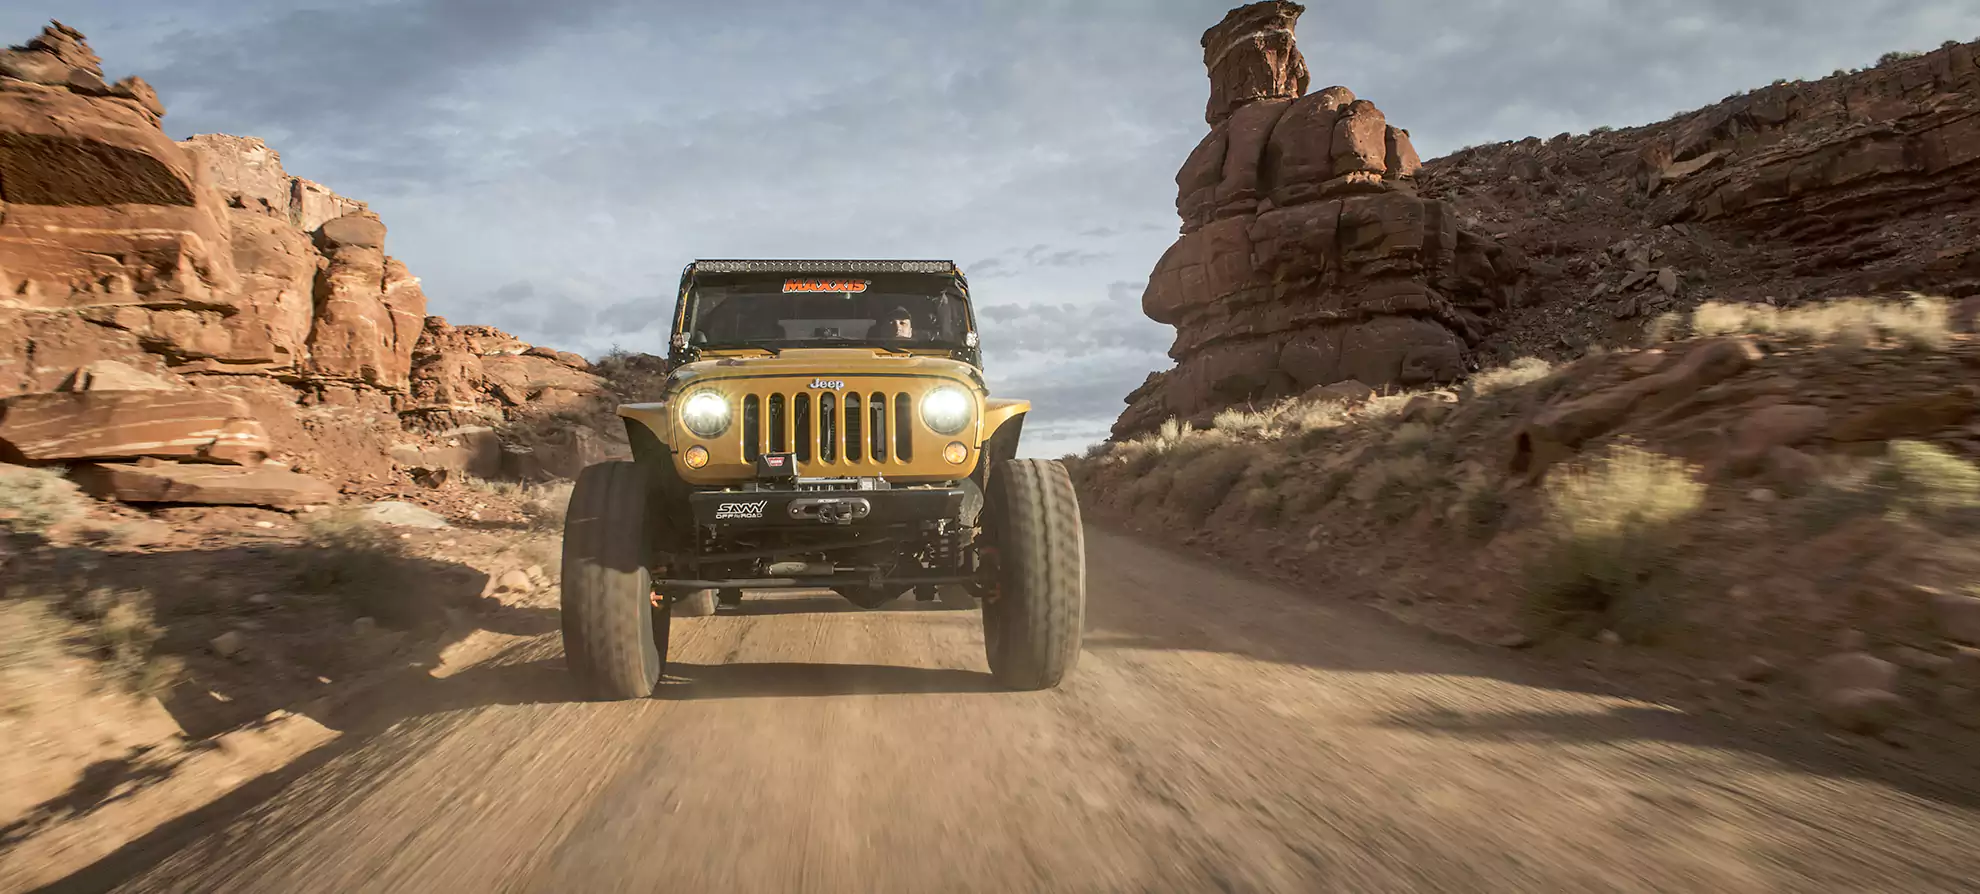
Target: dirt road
pixel 1219 735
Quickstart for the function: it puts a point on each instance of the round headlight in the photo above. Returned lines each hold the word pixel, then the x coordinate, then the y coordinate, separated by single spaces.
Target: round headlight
pixel 705 413
pixel 946 410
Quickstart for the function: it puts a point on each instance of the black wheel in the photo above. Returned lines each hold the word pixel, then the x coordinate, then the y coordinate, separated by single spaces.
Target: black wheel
pixel 869 598
pixel 615 639
pixel 698 604
pixel 1032 621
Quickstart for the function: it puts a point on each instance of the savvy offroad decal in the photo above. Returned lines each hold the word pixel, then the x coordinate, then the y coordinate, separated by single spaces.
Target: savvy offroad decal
pixel 740 510
pixel 849 286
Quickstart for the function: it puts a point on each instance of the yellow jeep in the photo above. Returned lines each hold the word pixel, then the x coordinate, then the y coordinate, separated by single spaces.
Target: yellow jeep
pixel 824 425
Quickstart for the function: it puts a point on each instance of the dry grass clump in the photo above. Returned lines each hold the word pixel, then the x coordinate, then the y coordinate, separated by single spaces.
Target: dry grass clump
pixel 1613 527
pixel 1664 327
pixel 1523 371
pixel 1913 480
pixel 1920 322
pixel 1141 454
pixel 1927 481
pixel 33 500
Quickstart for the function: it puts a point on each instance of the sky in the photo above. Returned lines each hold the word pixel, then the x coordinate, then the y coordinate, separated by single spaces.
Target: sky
pixel 549 168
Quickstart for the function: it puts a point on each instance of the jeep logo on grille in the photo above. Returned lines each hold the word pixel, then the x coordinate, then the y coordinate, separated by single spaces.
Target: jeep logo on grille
pixel 827 384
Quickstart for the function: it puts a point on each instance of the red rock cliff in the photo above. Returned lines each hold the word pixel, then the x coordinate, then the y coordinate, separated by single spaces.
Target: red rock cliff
pixel 132 262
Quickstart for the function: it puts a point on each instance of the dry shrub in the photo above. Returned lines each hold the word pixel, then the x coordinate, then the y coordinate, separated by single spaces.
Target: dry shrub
pixel 1308 417
pixel 1244 421
pixel 1206 479
pixel 1386 407
pixel 1920 322
pixel 34 634
pixel 1613 527
pixel 122 633
pixel 1263 505
pixel 1481 506
pixel 1140 455
pixel 32 500
pixel 1308 494
pixel 544 505
pixel 115 627
pixel 1664 327
pixel 1411 437
pixel 1395 486
pixel 1913 480
pixel 1520 372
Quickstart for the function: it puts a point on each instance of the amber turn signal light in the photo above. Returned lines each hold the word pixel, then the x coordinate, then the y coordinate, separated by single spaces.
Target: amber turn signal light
pixel 696 456
pixel 955 453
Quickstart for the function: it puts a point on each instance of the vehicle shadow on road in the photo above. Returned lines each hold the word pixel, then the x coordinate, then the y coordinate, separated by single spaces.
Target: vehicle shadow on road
pixel 803 679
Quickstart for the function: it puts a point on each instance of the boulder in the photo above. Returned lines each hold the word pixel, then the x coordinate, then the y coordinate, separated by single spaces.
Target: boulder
pixel 98 425
pixel 1251 55
pixel 401 515
pixel 1429 408
pixel 1851 671
pixel 1781 426
pixel 210 485
pixel 1351 392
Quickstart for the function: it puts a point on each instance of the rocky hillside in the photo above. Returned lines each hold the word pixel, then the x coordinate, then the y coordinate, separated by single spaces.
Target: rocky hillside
pixel 1689 406
pixel 1316 250
pixel 170 303
pixel 1772 515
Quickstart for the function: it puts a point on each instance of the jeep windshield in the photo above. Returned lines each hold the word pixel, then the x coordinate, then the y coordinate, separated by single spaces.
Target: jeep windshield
pixel 893 311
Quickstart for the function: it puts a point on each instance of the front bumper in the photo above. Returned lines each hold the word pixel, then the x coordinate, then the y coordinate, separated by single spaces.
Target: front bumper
pixel 813 508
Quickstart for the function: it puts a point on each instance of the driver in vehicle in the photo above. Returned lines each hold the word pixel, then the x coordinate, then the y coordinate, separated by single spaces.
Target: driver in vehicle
pixel 899 324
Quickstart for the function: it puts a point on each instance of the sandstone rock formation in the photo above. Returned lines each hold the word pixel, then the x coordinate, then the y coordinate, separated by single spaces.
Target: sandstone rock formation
pixel 264 303
pixel 1307 257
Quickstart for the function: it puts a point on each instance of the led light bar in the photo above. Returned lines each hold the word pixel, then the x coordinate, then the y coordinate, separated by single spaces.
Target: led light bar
pixel 822 266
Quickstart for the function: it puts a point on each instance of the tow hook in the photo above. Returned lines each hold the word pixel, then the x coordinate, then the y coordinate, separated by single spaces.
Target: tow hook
pixel 831 510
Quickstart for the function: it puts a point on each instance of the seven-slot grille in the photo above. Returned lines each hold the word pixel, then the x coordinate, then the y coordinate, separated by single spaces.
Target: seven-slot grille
pixel 829 427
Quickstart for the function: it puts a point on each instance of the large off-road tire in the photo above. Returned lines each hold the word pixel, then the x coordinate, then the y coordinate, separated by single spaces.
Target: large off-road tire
pixel 698 604
pixel 615 639
pixel 1032 620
